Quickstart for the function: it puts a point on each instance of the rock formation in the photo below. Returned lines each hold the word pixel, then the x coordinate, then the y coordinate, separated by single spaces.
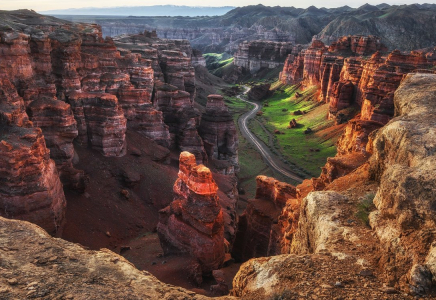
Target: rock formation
pixel 398 253
pixel 86 274
pixel 259 92
pixel 360 45
pixel 193 223
pixel 218 132
pixel 347 80
pixel 403 27
pixel 403 164
pixel 85 90
pixel 30 188
pixel 312 63
pixel 56 120
pixel 259 54
pixel 257 235
pixel 174 87
pixel 101 122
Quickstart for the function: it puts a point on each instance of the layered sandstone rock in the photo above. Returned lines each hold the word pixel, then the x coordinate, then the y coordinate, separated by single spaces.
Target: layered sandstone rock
pixel 218 131
pixel 86 274
pixel 312 63
pixel 30 188
pixel 181 117
pixel 403 163
pixel 193 223
pixel 353 150
pixel 255 55
pixel 353 81
pixel 292 72
pixel 256 236
pixel 100 122
pixel 12 109
pixel 374 83
pixel 356 44
pixel 377 95
pixel 330 72
pixel 59 127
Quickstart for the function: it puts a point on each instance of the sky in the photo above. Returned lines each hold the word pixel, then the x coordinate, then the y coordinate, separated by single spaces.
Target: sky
pixel 42 5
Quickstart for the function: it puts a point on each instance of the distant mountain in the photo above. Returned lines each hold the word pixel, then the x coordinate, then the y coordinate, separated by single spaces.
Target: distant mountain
pixel 156 10
pixel 403 27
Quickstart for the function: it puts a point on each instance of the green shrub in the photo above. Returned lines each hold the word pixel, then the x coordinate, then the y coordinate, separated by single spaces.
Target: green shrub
pixel 364 207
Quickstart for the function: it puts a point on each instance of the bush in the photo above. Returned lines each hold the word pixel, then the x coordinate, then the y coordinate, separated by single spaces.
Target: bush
pixel 364 207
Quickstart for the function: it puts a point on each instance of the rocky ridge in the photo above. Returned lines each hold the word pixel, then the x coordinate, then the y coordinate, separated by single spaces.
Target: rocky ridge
pixel 403 27
pixel 348 82
pixel 338 256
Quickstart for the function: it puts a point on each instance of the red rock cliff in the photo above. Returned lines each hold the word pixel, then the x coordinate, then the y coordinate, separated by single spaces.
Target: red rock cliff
pixel 257 233
pixel 30 188
pixel 193 223
pixel 219 135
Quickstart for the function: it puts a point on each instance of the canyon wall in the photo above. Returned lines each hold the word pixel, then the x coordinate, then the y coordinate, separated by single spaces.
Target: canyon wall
pixel 255 55
pixel 403 165
pixel 219 134
pixel 258 233
pixel 348 78
pixel 328 240
pixel 62 84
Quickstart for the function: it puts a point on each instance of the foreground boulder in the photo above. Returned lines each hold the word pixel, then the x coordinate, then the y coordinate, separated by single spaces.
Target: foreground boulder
pixel 193 223
pixel 404 162
pixel 35 265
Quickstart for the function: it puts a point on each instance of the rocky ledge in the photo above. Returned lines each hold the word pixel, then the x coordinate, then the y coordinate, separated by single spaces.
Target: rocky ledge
pixel 329 241
pixel 35 265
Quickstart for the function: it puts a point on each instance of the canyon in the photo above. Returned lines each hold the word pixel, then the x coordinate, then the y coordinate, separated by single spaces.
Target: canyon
pixel 64 85
pixel 403 27
pixel 106 142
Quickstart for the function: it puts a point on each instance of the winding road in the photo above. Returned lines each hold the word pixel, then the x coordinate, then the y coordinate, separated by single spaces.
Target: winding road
pixel 262 148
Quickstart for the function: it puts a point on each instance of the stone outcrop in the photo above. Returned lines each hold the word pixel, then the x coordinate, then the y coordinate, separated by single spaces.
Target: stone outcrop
pixel 86 274
pixel 59 127
pixel 328 253
pixel 403 164
pixel 292 72
pixel 12 108
pixel 174 88
pixel 101 122
pixel 259 92
pixel 357 44
pixel 312 63
pixel 218 132
pixel 193 223
pixel 257 235
pixel 255 55
pixel 30 188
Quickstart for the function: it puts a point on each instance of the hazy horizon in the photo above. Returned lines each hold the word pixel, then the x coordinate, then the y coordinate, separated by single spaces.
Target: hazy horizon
pixel 47 5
